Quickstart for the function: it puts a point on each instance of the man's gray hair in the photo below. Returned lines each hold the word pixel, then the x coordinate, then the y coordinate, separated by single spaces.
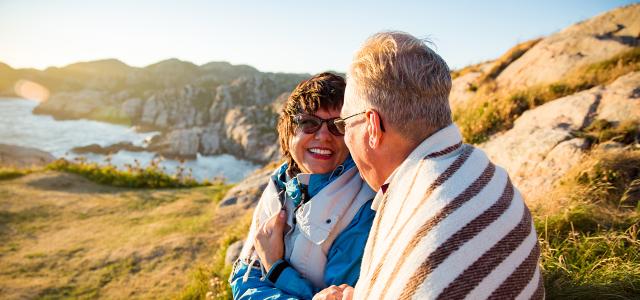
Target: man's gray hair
pixel 405 81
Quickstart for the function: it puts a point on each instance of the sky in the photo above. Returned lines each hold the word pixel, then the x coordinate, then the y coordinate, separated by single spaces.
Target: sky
pixel 275 36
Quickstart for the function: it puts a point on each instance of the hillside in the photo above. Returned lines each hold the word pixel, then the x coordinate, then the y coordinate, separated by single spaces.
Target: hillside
pixel 210 109
pixel 75 238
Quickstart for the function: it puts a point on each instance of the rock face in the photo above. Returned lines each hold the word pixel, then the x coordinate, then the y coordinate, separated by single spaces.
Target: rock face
pixel 584 43
pixel 463 87
pixel 247 192
pixel 23 157
pixel 541 146
pixel 233 252
pixel 210 109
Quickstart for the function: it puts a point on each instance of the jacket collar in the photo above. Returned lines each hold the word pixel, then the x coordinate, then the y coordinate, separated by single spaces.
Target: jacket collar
pixel 318 217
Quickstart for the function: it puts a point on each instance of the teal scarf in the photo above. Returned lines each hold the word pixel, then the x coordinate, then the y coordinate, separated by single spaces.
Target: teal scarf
pixel 297 191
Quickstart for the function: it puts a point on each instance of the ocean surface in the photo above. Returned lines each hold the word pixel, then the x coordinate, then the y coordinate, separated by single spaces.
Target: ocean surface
pixel 19 126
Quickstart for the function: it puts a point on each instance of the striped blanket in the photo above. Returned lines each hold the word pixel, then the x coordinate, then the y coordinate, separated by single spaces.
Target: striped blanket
pixel 450 225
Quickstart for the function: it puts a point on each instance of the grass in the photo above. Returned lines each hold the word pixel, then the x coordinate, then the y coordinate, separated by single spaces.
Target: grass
pixel 135 176
pixel 601 131
pixel 7 173
pixel 210 281
pixel 89 241
pixel 589 228
pixel 491 112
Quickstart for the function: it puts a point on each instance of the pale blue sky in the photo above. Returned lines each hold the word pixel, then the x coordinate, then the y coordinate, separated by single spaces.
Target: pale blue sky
pixel 278 36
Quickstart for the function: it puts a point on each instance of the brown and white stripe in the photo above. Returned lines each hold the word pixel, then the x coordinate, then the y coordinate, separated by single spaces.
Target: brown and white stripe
pixel 451 226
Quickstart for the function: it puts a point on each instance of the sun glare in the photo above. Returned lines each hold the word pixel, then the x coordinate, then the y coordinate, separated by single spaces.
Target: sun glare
pixel 31 90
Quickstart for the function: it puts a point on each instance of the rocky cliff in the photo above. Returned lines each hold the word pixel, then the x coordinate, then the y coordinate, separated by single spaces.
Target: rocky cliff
pixel 209 109
pixel 543 96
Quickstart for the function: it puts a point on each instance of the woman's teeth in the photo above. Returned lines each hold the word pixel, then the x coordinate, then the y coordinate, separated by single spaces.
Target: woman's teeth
pixel 320 151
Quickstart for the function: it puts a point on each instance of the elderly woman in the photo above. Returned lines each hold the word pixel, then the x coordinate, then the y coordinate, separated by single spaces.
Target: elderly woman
pixel 311 224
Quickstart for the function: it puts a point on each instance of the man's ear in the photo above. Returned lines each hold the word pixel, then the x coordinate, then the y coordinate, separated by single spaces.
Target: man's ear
pixel 373 128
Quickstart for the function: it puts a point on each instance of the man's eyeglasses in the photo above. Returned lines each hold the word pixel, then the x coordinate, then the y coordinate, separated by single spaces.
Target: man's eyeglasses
pixel 341 124
pixel 311 124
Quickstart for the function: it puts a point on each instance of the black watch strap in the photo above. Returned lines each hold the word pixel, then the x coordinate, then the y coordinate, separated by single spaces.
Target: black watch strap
pixel 277 270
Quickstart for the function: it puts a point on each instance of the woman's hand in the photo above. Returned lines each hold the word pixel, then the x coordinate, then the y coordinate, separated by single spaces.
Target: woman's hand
pixel 342 292
pixel 269 241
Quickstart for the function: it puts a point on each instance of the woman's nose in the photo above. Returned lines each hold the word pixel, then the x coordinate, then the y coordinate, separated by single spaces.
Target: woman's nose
pixel 323 133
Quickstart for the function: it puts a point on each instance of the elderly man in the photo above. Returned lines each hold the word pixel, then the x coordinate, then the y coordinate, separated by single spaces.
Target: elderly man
pixel 449 224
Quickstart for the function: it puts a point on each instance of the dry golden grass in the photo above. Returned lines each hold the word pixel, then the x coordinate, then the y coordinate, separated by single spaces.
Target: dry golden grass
pixel 492 110
pixel 62 236
pixel 589 229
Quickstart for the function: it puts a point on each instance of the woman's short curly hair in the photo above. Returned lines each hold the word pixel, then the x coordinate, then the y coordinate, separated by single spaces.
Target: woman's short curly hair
pixel 323 91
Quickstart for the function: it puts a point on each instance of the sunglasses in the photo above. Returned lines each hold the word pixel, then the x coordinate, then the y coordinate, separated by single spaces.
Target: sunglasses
pixel 311 124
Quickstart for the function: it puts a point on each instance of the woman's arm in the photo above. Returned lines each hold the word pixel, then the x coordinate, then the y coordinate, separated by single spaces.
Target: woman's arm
pixel 253 287
pixel 343 260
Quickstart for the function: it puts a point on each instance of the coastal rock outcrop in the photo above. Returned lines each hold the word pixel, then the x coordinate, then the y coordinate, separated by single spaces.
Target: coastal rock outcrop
pixel 542 145
pixel 23 157
pixel 591 41
pixel 209 109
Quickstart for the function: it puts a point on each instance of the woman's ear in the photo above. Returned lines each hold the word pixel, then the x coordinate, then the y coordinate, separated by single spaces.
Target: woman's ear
pixel 373 128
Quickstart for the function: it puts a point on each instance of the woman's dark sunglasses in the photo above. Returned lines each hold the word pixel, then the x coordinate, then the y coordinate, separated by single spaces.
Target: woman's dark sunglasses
pixel 311 124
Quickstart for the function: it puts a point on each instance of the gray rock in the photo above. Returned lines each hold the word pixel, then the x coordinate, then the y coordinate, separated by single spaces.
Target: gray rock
pixel 541 147
pixel 536 133
pixel 233 252
pixel 210 141
pixel 248 192
pixel 178 143
pixel 23 157
pixel 228 202
pixel 461 91
pixel 621 99
pixel 132 108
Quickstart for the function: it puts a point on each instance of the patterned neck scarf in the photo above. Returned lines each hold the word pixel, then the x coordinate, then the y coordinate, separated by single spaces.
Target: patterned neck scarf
pixel 298 192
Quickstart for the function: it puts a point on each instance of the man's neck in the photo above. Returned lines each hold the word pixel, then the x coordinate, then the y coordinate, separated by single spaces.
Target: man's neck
pixel 392 155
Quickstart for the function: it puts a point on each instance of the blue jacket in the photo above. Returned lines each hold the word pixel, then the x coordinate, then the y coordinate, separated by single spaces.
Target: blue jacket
pixel 343 266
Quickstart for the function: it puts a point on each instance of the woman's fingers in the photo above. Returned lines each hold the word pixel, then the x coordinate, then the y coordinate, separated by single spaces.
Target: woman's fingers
pixel 331 293
pixel 347 293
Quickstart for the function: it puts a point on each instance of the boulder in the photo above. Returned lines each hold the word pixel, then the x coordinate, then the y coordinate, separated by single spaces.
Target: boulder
pixel 23 157
pixel 210 141
pixel 621 99
pixel 182 143
pixel 247 192
pixel 233 252
pixel 537 133
pixel 132 108
pixel 541 147
pixel 579 45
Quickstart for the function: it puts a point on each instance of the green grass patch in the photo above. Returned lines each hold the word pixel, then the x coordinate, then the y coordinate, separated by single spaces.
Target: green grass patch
pixel 135 176
pixel 488 114
pixel 601 131
pixel 90 289
pixel 601 265
pixel 210 281
pixel 589 232
pixel 7 173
